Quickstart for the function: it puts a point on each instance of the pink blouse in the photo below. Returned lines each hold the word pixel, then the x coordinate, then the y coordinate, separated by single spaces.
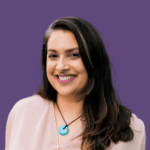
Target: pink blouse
pixel 31 126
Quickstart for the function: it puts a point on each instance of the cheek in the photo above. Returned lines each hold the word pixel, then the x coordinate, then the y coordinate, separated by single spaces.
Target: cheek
pixel 49 73
pixel 84 73
pixel 83 69
pixel 49 67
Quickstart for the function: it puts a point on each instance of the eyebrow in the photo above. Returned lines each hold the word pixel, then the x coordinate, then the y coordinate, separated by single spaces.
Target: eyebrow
pixel 66 51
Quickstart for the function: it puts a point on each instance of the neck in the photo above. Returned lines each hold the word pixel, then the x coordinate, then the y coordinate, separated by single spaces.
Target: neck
pixel 70 105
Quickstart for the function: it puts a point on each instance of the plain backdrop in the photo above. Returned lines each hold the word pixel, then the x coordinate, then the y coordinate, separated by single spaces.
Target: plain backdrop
pixel 123 25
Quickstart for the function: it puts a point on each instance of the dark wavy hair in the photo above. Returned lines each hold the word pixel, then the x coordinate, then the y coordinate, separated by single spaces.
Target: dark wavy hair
pixel 105 119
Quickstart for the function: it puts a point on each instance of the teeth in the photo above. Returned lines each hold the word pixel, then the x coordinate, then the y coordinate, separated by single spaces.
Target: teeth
pixel 66 78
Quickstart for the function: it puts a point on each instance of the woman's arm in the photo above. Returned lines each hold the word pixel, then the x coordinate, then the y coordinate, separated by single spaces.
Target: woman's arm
pixel 143 142
pixel 8 132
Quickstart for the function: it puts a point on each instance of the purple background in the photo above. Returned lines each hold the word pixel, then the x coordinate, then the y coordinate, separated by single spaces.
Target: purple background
pixel 125 30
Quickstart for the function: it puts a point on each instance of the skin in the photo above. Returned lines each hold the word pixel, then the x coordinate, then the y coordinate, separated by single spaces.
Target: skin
pixel 61 62
pixel 68 94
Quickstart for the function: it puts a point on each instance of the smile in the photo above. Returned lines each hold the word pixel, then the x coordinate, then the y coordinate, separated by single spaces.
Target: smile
pixel 65 79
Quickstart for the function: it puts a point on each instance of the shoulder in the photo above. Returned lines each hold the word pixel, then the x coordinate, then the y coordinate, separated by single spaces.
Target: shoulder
pixel 136 123
pixel 27 116
pixel 139 138
pixel 30 104
pixel 31 101
pixel 138 128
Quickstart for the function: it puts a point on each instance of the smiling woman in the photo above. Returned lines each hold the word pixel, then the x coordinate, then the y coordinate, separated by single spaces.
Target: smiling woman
pixel 77 106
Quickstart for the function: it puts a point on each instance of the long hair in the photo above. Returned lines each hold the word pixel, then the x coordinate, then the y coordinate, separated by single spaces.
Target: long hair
pixel 105 119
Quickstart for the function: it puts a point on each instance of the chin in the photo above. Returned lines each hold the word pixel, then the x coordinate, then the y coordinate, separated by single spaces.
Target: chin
pixel 65 92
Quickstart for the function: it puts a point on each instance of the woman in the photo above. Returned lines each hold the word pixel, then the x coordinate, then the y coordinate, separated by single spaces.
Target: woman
pixel 77 106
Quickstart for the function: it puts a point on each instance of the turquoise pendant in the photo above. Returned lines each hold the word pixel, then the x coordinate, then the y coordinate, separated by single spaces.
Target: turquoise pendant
pixel 63 131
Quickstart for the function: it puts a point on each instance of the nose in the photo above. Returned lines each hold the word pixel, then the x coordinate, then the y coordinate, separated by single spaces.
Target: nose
pixel 62 65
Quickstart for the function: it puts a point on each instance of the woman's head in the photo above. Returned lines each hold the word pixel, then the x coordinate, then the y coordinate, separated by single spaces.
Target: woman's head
pixel 90 46
pixel 65 69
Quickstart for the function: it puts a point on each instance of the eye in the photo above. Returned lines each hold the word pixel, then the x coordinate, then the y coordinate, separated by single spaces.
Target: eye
pixel 52 56
pixel 75 54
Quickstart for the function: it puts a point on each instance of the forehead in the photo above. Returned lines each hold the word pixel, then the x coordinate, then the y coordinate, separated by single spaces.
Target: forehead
pixel 61 39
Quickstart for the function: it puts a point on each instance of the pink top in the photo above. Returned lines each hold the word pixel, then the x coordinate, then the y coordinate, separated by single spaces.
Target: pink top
pixel 31 126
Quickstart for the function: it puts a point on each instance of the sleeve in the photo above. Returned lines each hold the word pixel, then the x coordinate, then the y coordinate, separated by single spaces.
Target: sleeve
pixel 138 127
pixel 139 140
pixel 143 142
pixel 23 122
pixel 9 127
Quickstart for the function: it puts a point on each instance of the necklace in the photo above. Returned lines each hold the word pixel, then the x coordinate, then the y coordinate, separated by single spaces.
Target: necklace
pixel 63 130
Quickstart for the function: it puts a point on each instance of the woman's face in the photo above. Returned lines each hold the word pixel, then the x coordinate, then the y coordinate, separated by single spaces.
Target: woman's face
pixel 63 59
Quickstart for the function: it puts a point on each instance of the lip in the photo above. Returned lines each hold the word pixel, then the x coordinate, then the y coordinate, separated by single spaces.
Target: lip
pixel 65 81
pixel 65 75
